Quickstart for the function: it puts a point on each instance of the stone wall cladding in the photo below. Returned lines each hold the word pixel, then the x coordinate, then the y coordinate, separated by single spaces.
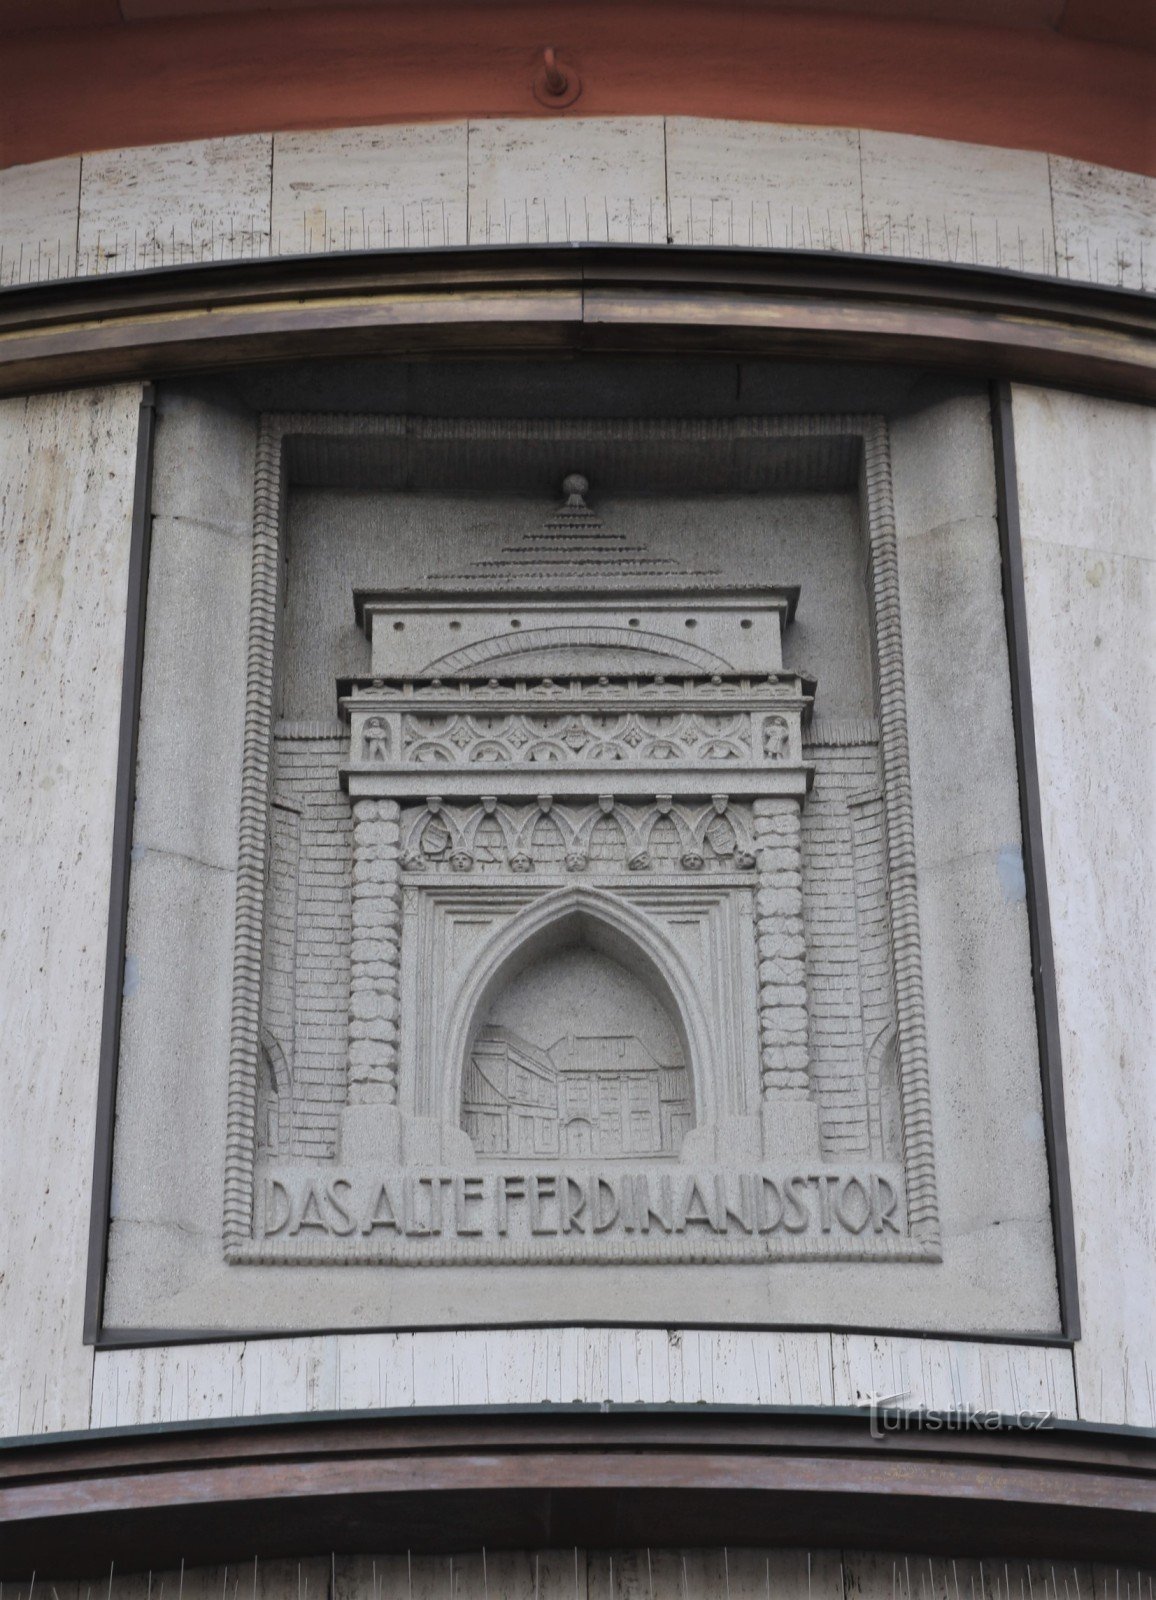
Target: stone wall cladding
pixel 849 985
pixel 306 771
pixel 714 182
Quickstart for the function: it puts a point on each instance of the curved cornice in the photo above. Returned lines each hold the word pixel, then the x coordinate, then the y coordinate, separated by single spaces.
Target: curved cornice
pixel 559 301
pixel 554 1477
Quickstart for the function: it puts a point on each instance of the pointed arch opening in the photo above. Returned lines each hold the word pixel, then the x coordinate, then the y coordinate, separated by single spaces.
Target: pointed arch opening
pixel 578 1034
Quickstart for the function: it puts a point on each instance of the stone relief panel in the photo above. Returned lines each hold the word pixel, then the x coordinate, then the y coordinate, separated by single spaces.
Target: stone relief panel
pixel 577 939
pixel 554 924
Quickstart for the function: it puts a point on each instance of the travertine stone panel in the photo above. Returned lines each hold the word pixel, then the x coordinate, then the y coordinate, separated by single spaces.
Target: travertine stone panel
pixel 520 1366
pixel 941 201
pixel 369 189
pixel 1105 224
pixel 743 1574
pixel 66 465
pixel 207 200
pixel 38 215
pixel 659 1573
pixel 1086 472
pixel 745 183
pixel 545 182
pixel 469 1367
pixel 942 1374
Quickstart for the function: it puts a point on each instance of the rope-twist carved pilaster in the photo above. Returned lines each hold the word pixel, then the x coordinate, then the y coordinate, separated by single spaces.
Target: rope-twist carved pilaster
pixel 249 920
pixel 922 1206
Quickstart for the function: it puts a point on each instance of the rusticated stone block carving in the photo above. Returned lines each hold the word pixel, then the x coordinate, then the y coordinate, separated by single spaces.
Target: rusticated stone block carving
pixel 374 1005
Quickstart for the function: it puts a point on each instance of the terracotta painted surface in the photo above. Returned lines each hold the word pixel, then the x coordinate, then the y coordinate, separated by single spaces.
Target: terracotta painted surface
pixel 66 91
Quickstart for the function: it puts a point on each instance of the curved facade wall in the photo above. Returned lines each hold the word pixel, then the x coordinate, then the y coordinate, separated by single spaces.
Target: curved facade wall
pixel 1086 476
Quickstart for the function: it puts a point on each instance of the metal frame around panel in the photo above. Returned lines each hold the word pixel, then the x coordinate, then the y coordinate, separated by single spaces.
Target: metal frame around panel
pixel 1035 876
pixel 140 549
pixel 97 1334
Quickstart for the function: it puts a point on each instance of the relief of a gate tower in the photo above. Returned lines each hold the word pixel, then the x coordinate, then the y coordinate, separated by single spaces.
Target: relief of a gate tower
pixel 577 781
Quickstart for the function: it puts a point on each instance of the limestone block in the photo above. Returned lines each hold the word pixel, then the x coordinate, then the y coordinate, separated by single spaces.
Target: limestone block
pixel 39 205
pixel 960 731
pixel 1091 599
pixel 1105 224
pixel 547 181
pixel 66 464
pixel 981 1031
pixel 369 189
pixel 937 200
pixel 203 460
pixel 188 788
pixel 207 200
pixel 176 1005
pixel 943 466
pixel 763 185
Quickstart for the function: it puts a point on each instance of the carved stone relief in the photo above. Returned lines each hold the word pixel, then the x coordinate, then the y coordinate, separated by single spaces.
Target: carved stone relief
pixel 616 928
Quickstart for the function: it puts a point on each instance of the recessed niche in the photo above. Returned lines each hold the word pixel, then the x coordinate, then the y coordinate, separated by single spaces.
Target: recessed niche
pixel 577 1056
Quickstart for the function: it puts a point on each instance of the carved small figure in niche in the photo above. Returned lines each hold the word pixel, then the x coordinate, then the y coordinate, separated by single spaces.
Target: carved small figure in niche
pixel 413 861
pixel 775 737
pixel 639 862
pixel 461 860
pixel 521 862
pixel 744 862
pixel 575 861
pixel 375 740
pixel 692 860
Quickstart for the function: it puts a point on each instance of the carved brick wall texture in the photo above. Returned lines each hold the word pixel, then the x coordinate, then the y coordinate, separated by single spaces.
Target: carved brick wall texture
pixel 305 771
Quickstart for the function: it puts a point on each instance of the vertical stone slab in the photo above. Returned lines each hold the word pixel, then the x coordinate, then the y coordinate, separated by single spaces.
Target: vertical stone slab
pixel 374 993
pixel 66 483
pixel 38 217
pixel 1087 471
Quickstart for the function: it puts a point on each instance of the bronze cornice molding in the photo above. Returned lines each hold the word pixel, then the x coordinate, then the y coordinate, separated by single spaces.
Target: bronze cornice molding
pixel 552 1477
pixel 561 301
